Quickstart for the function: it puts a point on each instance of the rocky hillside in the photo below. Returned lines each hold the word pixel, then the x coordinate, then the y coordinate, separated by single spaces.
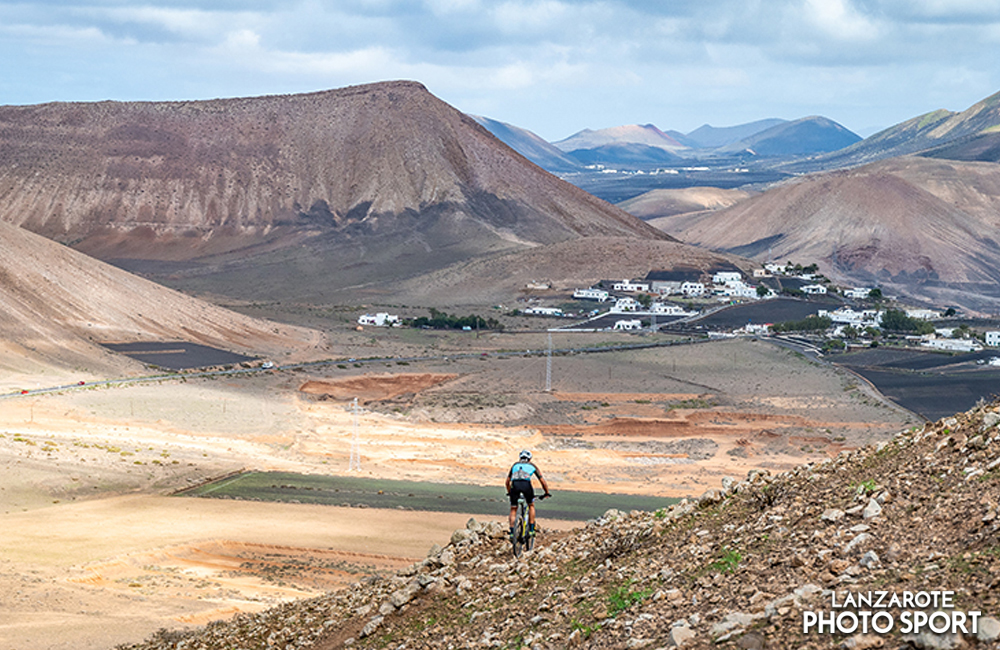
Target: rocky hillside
pixel 745 566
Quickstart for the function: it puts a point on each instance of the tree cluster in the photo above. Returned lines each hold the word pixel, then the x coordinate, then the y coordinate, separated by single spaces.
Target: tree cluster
pixel 807 324
pixel 896 320
pixel 439 320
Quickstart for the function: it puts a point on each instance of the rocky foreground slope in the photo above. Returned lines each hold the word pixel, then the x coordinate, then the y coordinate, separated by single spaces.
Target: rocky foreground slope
pixel 914 519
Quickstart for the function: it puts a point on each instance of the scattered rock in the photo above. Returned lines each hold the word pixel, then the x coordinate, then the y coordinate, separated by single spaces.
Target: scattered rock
pixel 753 641
pixel 870 560
pixel 681 636
pixel 988 629
pixel 863 642
pixel 371 626
pixel 832 515
pixel 873 509
pixel 854 546
pixel 928 640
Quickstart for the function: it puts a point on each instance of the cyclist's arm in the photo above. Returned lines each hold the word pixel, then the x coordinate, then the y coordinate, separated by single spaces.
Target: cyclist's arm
pixel 507 480
pixel 541 479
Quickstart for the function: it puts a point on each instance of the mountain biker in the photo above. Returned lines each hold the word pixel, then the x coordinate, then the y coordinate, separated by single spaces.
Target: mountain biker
pixel 519 483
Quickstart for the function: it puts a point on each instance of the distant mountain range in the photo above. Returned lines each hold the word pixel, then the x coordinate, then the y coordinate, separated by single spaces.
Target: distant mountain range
pixel 709 137
pixel 643 146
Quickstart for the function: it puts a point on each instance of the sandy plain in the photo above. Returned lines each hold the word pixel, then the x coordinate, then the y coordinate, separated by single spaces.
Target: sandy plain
pixel 95 553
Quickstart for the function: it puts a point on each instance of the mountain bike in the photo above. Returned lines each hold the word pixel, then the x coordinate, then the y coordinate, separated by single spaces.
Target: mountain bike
pixel 522 540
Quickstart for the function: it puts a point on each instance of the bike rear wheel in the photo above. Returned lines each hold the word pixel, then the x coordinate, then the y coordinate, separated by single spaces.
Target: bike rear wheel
pixel 521 539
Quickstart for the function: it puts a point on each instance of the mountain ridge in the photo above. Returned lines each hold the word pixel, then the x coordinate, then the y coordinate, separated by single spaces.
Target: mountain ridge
pixel 914 135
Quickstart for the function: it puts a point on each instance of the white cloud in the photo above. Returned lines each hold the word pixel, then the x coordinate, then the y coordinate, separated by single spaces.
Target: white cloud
pixel 183 22
pixel 518 18
pixel 56 34
pixel 839 19
pixel 445 7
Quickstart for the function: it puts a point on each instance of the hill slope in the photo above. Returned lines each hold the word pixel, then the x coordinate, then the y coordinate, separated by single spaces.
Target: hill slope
pixel 646 134
pixel 528 144
pixel 920 133
pixel 739 567
pixel 664 203
pixel 926 228
pixel 58 304
pixel 382 171
pixel 809 135
pixel 709 137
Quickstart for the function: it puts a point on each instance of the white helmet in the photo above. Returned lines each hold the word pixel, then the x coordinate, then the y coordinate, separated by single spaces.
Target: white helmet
pixel 525 455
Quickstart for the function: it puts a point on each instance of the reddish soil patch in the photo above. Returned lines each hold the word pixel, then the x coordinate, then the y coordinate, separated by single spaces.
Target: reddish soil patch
pixel 690 424
pixel 375 387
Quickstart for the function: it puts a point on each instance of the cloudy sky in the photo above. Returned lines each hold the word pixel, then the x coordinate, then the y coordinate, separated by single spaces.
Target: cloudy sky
pixel 552 66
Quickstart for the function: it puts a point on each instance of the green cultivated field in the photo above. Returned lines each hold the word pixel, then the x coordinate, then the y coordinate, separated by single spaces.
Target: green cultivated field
pixel 407 495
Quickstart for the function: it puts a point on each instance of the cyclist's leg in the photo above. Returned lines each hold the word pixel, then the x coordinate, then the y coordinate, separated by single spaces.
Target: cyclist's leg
pixel 530 497
pixel 515 493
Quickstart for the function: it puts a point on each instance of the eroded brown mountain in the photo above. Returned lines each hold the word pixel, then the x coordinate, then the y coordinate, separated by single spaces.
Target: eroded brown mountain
pixel 384 179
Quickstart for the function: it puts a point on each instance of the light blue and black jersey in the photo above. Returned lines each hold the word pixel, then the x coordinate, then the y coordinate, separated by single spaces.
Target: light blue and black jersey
pixel 522 471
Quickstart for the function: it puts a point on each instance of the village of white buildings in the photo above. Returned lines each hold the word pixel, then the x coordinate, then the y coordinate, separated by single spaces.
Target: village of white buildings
pixel 681 295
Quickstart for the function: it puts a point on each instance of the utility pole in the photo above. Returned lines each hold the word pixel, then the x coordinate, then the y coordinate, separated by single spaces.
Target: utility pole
pixel 355 461
pixel 548 367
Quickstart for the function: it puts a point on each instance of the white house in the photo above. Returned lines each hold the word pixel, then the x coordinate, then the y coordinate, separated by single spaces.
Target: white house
pixel 993 339
pixel 857 293
pixel 725 277
pixel 543 311
pixel 737 289
pixel 953 345
pixel 777 269
pixel 632 324
pixel 599 295
pixel 814 289
pixel 761 273
pixel 923 314
pixel 625 304
pixel 847 316
pixel 756 329
pixel 380 319
pixel 631 287
pixel 670 309
pixel 693 289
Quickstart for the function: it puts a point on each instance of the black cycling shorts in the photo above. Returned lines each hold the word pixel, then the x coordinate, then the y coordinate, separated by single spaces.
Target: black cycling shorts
pixel 519 487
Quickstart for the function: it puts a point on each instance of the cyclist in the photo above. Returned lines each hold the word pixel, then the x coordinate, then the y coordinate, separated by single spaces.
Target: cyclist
pixel 519 483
